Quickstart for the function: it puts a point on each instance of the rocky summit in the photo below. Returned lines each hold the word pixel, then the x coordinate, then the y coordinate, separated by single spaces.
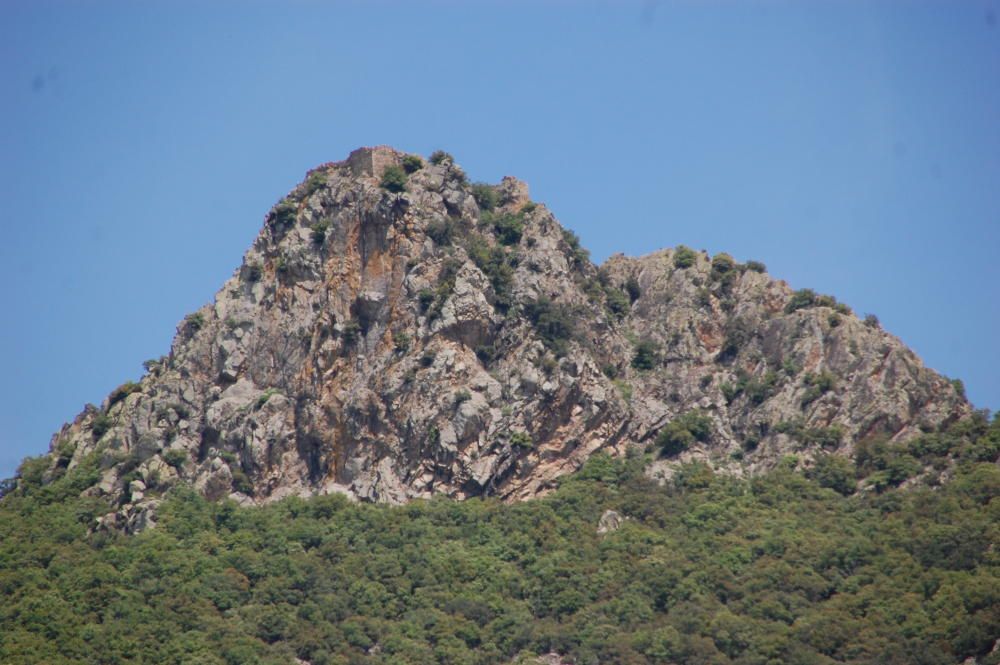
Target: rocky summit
pixel 396 331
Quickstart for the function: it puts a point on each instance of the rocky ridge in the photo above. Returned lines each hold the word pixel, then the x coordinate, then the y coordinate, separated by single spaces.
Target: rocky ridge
pixel 396 332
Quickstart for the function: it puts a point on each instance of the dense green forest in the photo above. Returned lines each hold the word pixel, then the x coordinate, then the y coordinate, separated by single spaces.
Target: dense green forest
pixel 789 567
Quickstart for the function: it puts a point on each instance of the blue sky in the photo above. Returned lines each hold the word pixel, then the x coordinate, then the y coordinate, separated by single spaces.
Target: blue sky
pixel 854 147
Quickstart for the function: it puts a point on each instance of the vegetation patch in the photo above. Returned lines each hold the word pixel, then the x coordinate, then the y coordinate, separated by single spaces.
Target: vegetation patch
pixel 121 392
pixel 684 257
pixel 412 163
pixel 683 432
pixel 553 322
pixel 394 179
pixel 486 196
pixel 781 567
pixel 646 354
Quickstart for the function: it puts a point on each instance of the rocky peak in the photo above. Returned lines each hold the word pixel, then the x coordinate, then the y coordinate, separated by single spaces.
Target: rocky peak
pixel 396 332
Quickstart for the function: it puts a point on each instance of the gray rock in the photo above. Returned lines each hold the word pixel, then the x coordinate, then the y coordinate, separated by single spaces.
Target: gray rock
pixel 334 366
pixel 610 522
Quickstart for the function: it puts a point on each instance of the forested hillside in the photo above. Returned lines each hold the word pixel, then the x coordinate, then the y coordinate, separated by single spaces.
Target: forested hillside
pixel 706 568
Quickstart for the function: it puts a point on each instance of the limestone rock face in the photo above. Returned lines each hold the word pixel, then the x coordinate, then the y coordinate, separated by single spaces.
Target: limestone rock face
pixel 396 345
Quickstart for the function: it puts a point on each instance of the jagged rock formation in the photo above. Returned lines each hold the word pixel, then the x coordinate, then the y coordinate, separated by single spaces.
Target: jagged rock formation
pixel 455 339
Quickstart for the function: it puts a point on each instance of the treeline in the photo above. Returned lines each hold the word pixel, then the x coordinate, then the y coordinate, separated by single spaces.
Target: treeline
pixel 707 569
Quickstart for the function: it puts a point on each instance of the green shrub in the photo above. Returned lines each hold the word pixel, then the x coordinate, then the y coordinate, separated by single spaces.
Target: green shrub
pixel 458 175
pixel 427 359
pixel 684 257
pixel 175 457
pixel 122 391
pixel 554 323
pixel 425 297
pixel 242 483
pixel 509 228
pixel 528 207
pixel 632 288
pixel 826 437
pixel 756 266
pixel 439 157
pixel 194 322
pixel 617 302
pixel 498 267
pixel 265 396
pixel 32 470
pixel 486 196
pixel 318 231
pixel 442 232
pixel 885 464
pixel 351 332
pixel 577 254
pixel 285 213
pixel 739 332
pixel 834 472
pixel 683 432
pixel 315 182
pixel 401 341
pixel 394 179
pixel 462 396
pixel 722 264
pixel 759 390
pixel 872 321
pixel 800 300
pixel 521 440
pixel 645 355
pixel 412 163
pixel 486 353
pixel 841 308
pixel 818 385
pixel 254 271
pixel 825 301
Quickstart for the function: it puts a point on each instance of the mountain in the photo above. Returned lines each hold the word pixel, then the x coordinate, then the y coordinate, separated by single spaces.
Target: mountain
pixel 396 332
pixel 334 455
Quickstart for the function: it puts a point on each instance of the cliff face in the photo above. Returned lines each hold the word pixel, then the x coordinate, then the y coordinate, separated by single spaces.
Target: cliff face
pixel 450 338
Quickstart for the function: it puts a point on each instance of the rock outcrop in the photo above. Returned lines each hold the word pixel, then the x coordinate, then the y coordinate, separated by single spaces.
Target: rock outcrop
pixel 455 339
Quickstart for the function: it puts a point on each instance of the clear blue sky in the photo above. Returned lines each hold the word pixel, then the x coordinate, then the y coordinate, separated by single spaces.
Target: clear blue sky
pixel 854 147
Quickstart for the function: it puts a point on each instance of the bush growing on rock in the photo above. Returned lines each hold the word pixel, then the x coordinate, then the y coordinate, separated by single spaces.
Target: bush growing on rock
pixel 486 196
pixel 509 228
pixel 394 179
pixel 439 157
pixel 314 183
pixel 684 257
pixel 175 457
pixel 122 391
pixel 442 232
pixel 521 440
pixel 318 231
pixel 645 355
pixel 553 322
pixel 683 432
pixel 285 213
pixel 412 163
pixel 577 254
pixel 617 302
pixel 632 288
pixel 722 264
pixel 800 300
pixel 100 425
